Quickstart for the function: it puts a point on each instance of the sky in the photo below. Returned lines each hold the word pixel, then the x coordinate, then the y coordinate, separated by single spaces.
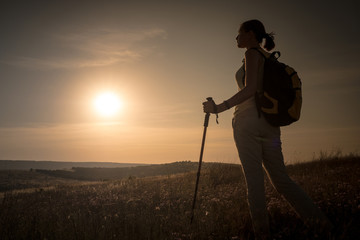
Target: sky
pixel 163 59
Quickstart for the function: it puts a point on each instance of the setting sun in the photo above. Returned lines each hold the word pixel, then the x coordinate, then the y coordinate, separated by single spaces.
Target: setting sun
pixel 107 104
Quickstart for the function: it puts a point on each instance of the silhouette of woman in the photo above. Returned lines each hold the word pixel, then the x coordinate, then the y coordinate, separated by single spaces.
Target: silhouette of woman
pixel 258 142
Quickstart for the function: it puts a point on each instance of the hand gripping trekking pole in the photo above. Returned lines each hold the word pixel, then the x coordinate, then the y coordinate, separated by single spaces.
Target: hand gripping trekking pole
pixel 206 123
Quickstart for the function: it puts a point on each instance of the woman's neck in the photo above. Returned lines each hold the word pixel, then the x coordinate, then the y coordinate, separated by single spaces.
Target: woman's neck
pixel 253 45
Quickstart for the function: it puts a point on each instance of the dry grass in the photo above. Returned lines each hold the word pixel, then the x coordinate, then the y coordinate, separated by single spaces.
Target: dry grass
pixel 160 207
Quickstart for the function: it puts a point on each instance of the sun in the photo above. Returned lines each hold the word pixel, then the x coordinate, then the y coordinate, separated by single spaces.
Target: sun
pixel 107 104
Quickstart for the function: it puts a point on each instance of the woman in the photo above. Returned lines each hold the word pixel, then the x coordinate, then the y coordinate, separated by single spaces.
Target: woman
pixel 257 141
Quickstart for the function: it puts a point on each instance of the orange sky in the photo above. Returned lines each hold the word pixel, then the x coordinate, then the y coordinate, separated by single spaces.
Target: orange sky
pixel 163 59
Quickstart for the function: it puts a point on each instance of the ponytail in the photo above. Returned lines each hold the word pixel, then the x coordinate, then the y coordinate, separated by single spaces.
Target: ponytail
pixel 269 41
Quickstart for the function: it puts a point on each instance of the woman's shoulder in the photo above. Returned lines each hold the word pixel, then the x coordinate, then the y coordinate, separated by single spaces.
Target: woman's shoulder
pixel 257 53
pixel 264 52
pixel 254 54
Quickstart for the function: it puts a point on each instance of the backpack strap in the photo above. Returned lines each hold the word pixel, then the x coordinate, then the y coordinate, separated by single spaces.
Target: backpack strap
pixel 258 94
pixel 273 54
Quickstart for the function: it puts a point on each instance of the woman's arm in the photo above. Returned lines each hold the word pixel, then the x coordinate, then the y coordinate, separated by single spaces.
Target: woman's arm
pixel 252 64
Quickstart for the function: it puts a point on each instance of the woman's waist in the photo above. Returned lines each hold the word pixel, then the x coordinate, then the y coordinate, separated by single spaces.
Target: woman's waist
pixel 246 106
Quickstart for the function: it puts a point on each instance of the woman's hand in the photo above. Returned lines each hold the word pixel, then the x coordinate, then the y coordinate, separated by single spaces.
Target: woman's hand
pixel 209 107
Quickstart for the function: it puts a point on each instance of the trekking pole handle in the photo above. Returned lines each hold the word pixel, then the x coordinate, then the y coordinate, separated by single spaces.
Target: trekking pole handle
pixel 210 99
pixel 207 115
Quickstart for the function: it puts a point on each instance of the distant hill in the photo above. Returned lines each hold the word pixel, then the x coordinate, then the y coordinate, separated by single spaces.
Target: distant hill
pixel 102 173
pixel 51 165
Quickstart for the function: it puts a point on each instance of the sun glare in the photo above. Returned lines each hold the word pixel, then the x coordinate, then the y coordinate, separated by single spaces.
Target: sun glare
pixel 107 104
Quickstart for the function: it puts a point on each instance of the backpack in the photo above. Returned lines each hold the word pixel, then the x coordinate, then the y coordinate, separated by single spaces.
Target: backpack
pixel 281 99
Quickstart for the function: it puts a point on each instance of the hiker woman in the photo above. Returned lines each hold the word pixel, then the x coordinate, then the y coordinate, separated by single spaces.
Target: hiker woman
pixel 257 141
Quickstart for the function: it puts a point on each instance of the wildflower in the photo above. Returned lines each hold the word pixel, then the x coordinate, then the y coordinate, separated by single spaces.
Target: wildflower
pixel 215 200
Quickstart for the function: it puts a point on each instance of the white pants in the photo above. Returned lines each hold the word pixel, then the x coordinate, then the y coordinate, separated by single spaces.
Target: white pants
pixel 259 147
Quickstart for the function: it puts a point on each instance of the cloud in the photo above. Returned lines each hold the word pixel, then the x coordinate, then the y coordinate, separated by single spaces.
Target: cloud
pixel 55 63
pixel 110 42
pixel 94 48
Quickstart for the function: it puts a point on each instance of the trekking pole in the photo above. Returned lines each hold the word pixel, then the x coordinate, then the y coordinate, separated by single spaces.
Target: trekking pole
pixel 206 123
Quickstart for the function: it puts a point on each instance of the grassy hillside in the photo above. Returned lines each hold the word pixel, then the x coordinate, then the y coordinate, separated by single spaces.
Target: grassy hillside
pixel 159 207
pixel 11 180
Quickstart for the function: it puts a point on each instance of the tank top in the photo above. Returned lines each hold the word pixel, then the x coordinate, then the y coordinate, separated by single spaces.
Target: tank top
pixel 241 82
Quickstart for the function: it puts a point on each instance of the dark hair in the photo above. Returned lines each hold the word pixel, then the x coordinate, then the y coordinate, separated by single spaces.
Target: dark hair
pixel 259 30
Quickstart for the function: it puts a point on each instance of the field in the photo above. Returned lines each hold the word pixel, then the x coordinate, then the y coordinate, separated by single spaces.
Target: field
pixel 36 205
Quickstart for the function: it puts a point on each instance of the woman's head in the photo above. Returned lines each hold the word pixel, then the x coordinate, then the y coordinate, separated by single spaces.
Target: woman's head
pixel 258 29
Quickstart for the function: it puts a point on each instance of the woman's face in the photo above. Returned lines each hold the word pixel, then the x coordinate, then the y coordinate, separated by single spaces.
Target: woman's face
pixel 243 38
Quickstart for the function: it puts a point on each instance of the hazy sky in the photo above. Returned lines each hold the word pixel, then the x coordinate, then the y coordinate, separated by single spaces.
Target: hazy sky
pixel 163 58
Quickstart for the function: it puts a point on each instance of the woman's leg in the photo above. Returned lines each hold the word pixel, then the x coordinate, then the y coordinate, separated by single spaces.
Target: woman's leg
pixel 275 167
pixel 250 153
